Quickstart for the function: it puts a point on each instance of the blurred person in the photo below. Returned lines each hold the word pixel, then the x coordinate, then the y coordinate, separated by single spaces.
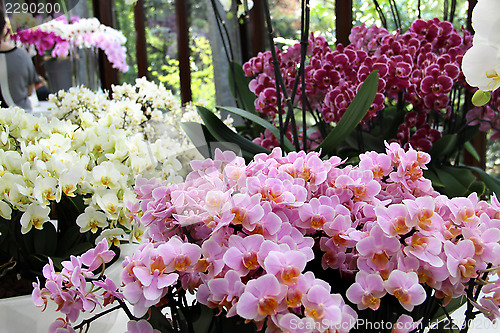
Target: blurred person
pixel 17 72
pixel 42 90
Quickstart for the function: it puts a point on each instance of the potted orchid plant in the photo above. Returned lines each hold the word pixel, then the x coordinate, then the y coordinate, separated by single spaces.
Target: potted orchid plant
pixel 294 243
pixel 66 179
pixel 61 39
pixel 422 99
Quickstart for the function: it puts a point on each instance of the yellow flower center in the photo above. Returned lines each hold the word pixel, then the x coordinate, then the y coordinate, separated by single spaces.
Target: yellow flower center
pixel 402 295
pixel 250 260
pixel 267 306
pixel 182 262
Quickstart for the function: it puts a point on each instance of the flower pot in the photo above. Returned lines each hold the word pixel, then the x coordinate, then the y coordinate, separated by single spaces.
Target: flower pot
pixel 19 315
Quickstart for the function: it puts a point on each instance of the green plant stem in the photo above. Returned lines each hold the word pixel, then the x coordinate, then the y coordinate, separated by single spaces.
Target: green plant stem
pixel 226 43
pixel 87 322
pixel 470 314
pixel 303 48
pixel 453 8
pixel 380 13
pixel 445 10
pixel 280 84
pixel 395 13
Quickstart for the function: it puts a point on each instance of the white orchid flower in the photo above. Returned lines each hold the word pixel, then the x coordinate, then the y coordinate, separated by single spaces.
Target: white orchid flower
pixel 486 20
pixel 45 189
pixel 5 210
pixel 113 236
pixel 105 174
pixel 481 63
pixel 35 216
pixel 92 220
pixel 108 201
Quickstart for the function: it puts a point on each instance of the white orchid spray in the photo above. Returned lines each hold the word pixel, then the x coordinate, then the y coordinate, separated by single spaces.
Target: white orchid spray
pixel 481 63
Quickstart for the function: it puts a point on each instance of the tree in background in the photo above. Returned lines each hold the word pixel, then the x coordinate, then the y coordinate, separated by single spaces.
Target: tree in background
pixel 161 36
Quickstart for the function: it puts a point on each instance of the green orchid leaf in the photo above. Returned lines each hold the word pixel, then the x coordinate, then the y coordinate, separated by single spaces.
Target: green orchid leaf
pixel 444 146
pixel 432 176
pixel 239 84
pixel 262 122
pixel 470 148
pixel 158 320
pixel 478 187
pixel 352 116
pixel 68 239
pixel 456 180
pixel 222 133
pixel 199 136
pixel 79 249
pixel 492 183
pixel 440 316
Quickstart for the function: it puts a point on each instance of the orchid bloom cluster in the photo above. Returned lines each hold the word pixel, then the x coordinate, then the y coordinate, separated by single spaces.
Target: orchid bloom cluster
pixel 242 237
pixel 144 107
pixel 481 65
pixel 420 67
pixel 62 37
pixel 44 160
pixel 70 290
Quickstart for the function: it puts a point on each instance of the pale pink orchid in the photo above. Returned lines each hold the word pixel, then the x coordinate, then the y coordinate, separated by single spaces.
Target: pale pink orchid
pixel 405 287
pixel 97 256
pixel 367 291
pixel 242 253
pixel 460 260
pixel 427 249
pixel 286 266
pixel 262 297
pixel 378 247
pixel 405 324
pixel 140 326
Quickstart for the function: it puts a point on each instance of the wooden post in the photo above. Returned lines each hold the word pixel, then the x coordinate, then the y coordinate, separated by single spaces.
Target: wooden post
pixel 183 50
pixel 103 11
pixel 343 20
pixel 257 28
pixel 140 40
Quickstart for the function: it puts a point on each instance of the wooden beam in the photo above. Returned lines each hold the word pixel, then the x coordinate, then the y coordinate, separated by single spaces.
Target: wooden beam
pixel 257 28
pixel 343 20
pixel 183 50
pixel 140 40
pixel 103 11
